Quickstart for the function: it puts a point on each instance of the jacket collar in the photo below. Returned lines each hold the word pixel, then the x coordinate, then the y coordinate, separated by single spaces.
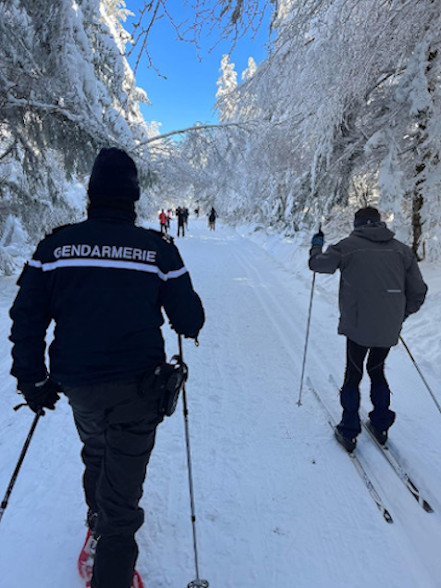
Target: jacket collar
pixel 112 213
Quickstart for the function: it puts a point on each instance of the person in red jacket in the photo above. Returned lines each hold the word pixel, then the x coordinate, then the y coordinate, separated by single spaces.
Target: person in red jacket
pixel 163 222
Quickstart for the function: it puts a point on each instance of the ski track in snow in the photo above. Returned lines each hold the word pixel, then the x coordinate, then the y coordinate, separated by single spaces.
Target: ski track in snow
pixel 278 502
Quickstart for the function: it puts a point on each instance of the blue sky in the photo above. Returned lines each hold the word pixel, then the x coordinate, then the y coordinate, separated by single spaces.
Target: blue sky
pixel 188 94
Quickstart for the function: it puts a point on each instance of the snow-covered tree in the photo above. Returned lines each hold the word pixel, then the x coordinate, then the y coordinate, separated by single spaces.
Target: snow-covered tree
pixel 227 84
pixel 248 73
pixel 349 96
pixel 66 90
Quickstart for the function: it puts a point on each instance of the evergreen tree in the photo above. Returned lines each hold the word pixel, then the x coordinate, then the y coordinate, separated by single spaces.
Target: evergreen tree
pixel 66 91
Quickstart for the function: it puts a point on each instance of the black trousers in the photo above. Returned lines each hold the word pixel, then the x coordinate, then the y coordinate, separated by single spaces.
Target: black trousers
pixel 181 229
pixel 381 416
pixel 117 424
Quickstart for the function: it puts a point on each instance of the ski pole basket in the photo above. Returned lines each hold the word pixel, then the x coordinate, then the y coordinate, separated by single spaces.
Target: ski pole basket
pixel 198 584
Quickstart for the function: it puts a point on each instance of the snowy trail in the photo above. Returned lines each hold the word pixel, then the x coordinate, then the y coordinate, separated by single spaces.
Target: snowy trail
pixel 278 503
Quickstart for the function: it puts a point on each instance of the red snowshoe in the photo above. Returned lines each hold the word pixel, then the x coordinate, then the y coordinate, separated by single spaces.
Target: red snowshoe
pixel 85 563
pixel 85 560
pixel 137 582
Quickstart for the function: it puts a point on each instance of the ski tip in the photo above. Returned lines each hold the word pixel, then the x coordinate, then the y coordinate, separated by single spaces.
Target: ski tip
pixel 387 516
pixel 427 506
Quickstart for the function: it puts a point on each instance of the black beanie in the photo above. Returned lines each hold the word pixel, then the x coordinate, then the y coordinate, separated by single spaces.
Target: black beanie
pixel 366 216
pixel 114 176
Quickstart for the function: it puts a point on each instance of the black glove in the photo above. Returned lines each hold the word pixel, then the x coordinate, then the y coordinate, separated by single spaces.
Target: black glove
pixel 194 335
pixel 318 239
pixel 40 395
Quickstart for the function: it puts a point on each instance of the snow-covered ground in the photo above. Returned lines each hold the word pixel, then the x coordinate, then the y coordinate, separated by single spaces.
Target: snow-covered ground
pixel 279 504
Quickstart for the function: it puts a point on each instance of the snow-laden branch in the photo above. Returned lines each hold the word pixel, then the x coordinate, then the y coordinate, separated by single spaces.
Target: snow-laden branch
pixel 238 125
pixel 244 125
pixel 43 106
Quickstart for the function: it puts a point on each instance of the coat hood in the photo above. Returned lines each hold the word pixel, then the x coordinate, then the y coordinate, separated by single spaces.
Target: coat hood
pixel 374 232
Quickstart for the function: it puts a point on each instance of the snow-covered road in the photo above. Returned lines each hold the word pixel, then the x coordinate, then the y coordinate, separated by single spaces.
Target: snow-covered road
pixel 279 504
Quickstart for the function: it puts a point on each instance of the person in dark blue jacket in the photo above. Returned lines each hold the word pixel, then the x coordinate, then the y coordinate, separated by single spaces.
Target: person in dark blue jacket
pixel 104 282
pixel 380 286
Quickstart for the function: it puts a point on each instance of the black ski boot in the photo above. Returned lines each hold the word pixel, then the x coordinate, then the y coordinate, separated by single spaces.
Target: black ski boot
pixel 380 436
pixel 346 442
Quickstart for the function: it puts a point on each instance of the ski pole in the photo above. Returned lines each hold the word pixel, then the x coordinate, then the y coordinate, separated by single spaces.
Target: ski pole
pixel 299 401
pixel 421 374
pixel 197 582
pixel 5 500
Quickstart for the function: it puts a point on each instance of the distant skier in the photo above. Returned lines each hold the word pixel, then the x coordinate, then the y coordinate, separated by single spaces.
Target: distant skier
pixel 186 215
pixel 169 215
pixel 380 286
pixel 180 215
pixel 212 219
pixel 163 222
pixel 105 282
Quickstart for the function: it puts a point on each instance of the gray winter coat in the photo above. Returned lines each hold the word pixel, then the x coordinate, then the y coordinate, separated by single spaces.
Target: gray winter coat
pixel 380 283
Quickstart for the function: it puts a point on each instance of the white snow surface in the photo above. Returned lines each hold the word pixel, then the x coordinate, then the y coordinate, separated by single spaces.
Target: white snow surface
pixel 279 503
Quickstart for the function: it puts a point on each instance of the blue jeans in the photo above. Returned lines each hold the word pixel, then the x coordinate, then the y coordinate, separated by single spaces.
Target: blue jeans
pixel 381 416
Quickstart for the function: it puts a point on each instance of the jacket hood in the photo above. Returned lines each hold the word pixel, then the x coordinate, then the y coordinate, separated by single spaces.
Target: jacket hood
pixel 114 176
pixel 374 232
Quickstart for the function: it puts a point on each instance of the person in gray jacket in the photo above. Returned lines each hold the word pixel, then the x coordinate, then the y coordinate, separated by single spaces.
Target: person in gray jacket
pixel 380 286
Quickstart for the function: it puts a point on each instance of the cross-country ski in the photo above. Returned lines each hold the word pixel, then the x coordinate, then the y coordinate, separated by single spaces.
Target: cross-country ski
pixel 394 461
pixel 393 458
pixel 356 460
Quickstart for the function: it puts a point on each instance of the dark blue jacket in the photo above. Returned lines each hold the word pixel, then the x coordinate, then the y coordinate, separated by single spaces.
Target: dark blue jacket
pixel 104 282
pixel 381 283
